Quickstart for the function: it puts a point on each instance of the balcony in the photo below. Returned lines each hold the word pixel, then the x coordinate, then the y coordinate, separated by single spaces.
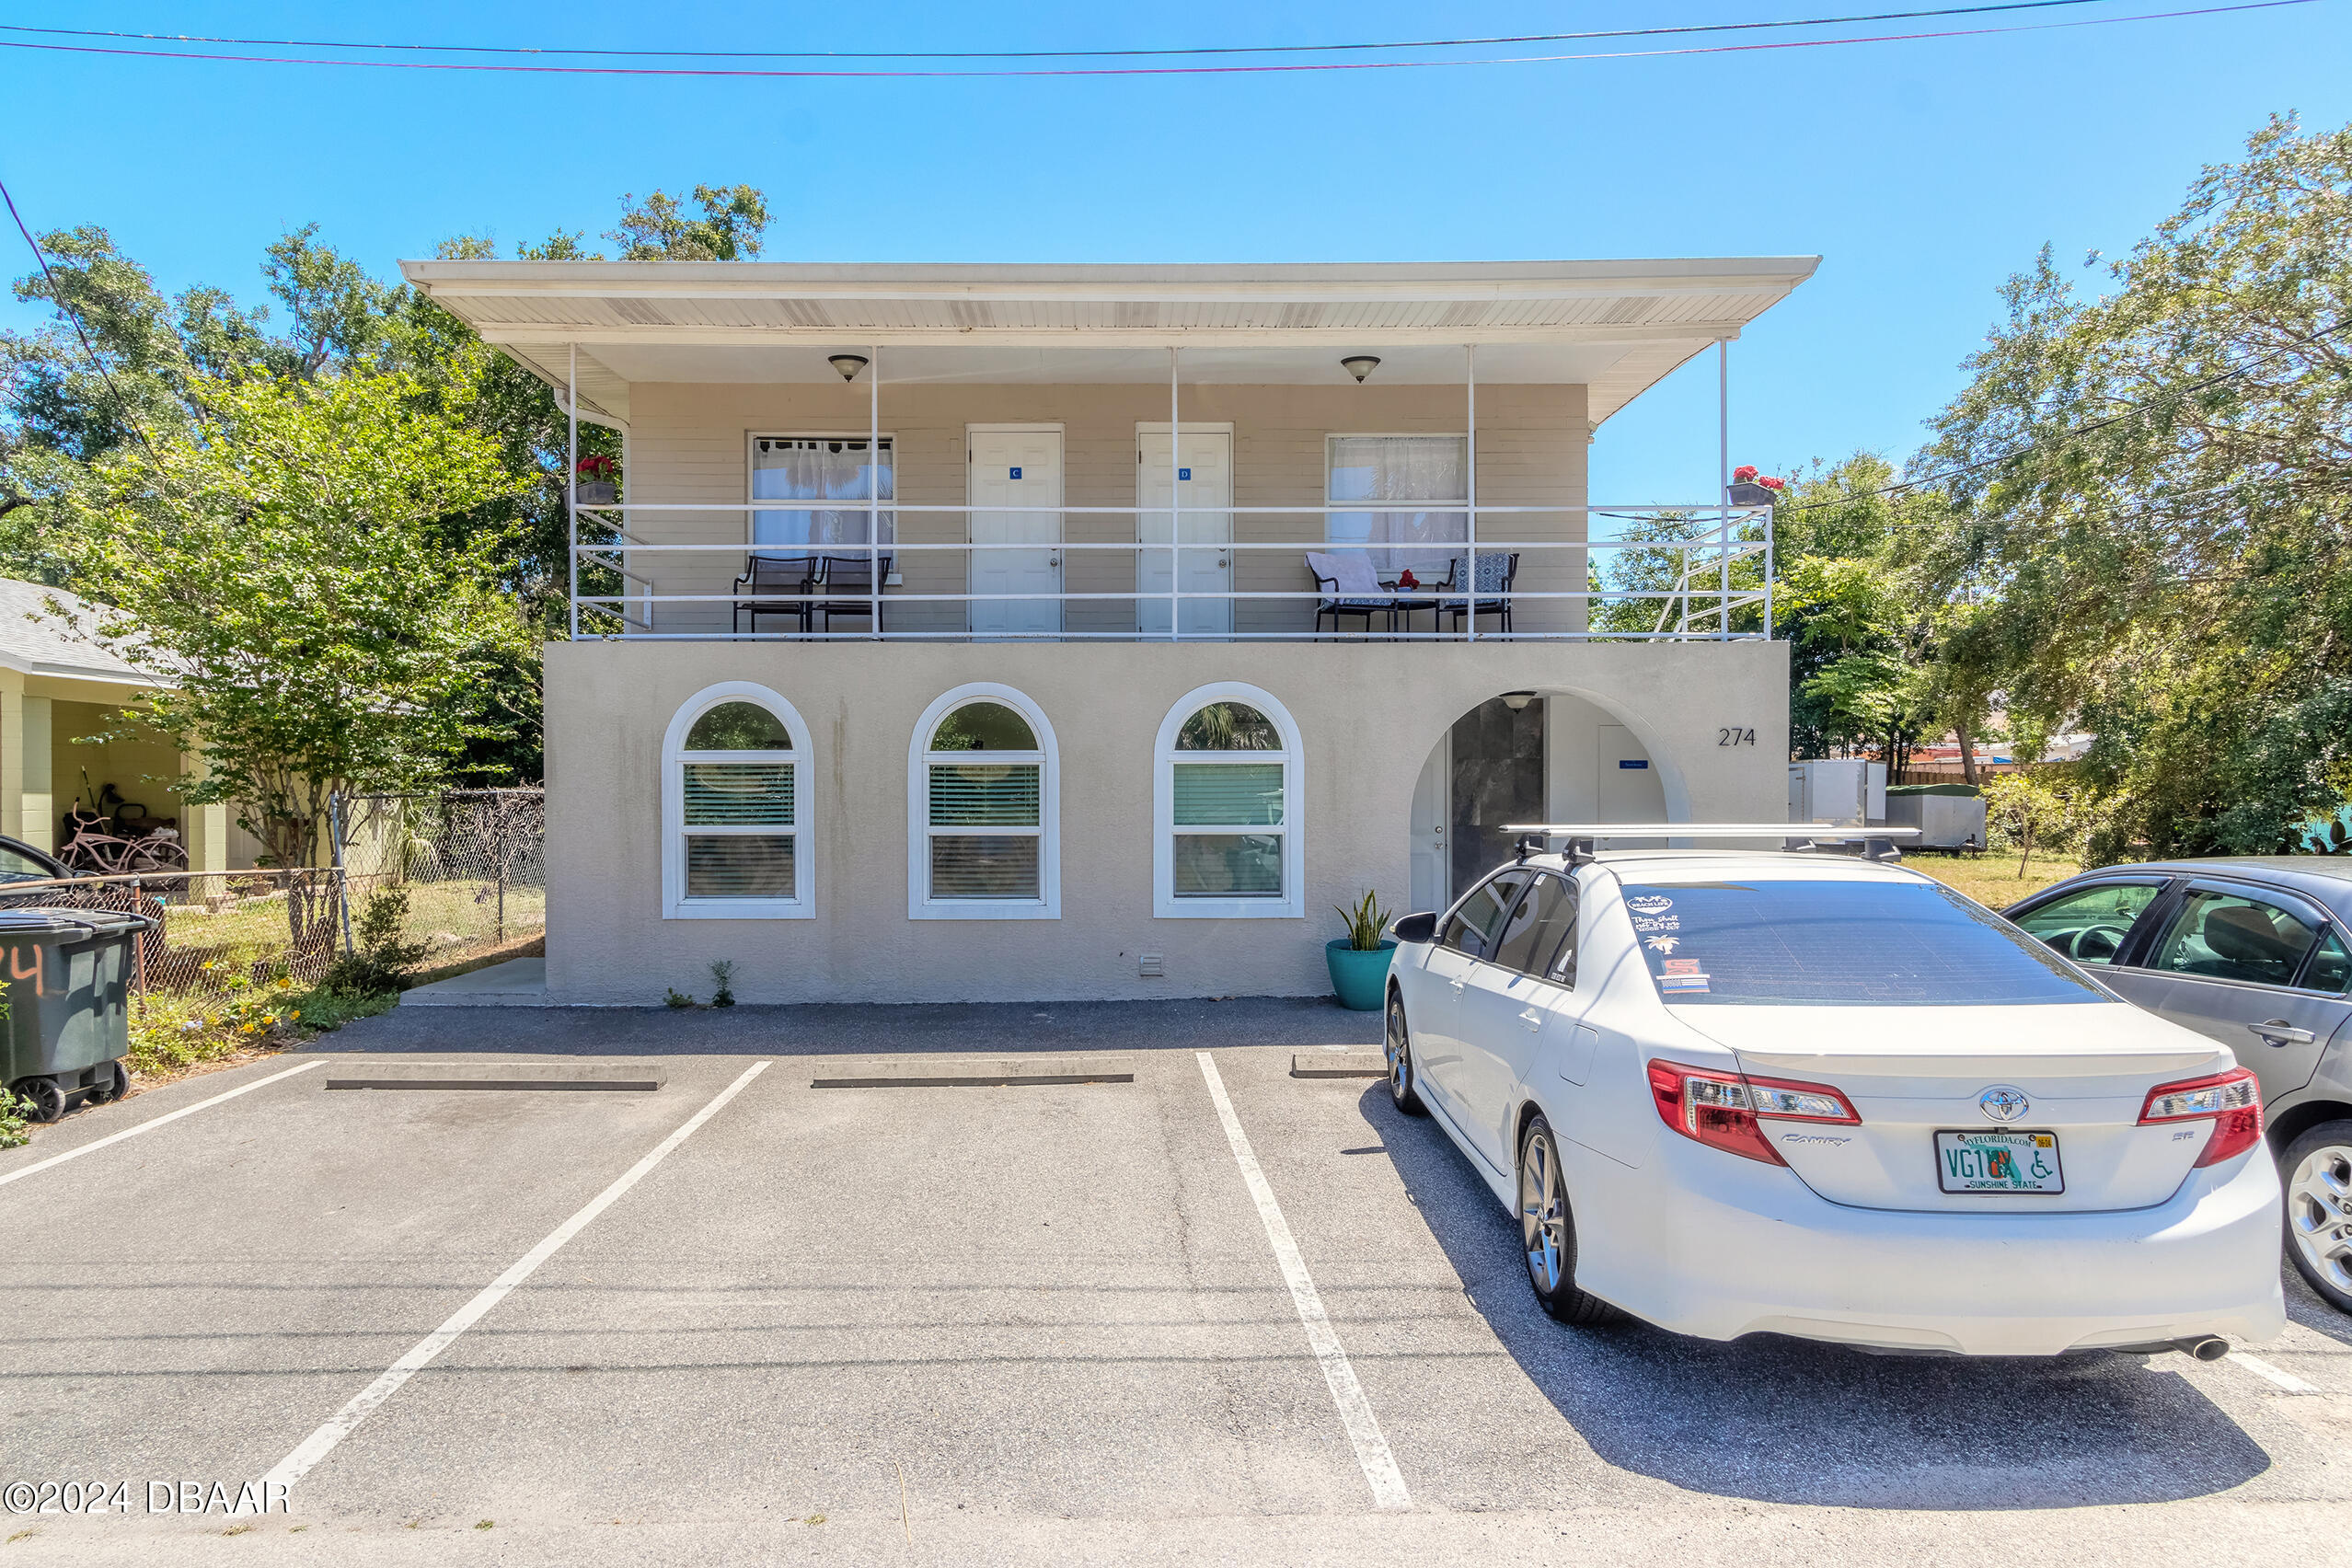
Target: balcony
pixel 855 570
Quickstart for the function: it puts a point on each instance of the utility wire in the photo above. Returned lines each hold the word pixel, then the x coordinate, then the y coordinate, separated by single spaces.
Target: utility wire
pixel 57 297
pixel 1278 68
pixel 1047 53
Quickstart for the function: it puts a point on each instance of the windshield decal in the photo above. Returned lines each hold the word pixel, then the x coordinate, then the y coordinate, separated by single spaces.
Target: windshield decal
pixel 1649 904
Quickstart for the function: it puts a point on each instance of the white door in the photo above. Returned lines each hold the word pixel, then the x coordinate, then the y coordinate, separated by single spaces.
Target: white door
pixel 1014 482
pixel 1205 481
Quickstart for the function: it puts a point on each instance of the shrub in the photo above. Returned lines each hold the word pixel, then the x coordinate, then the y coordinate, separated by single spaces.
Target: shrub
pixel 382 956
pixel 722 975
pixel 12 1122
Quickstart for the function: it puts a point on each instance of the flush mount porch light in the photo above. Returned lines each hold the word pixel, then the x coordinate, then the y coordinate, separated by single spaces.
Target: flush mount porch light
pixel 1515 700
pixel 848 365
pixel 1360 366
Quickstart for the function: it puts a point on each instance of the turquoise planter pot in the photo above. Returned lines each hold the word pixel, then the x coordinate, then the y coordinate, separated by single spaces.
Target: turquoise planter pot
pixel 1360 978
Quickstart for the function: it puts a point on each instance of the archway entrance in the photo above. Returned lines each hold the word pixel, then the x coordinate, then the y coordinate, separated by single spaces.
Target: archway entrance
pixel 1525 757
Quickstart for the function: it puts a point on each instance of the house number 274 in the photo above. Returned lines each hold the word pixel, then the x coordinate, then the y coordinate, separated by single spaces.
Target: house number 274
pixel 1733 735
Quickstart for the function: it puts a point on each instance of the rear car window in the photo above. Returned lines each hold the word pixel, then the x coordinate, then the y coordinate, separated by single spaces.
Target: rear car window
pixel 1839 944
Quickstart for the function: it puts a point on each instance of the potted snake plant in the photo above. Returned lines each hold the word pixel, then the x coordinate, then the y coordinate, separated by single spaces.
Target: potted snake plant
pixel 1359 961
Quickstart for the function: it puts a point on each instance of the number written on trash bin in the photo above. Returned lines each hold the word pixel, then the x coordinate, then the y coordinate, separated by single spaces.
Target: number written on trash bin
pixel 1733 735
pixel 17 969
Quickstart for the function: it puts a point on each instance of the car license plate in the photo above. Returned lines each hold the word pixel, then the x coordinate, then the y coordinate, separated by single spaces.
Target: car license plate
pixel 1999 1162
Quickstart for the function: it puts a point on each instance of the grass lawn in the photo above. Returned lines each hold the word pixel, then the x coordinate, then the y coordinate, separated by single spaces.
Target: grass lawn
pixel 1992 880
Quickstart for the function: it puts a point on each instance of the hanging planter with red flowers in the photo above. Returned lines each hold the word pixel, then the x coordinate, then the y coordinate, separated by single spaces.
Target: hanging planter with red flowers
pixel 1749 488
pixel 597 482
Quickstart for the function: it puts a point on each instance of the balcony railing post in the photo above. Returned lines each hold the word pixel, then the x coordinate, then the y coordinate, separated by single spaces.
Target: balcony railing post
pixel 1470 383
pixel 1722 481
pixel 1175 504
pixel 873 493
pixel 571 480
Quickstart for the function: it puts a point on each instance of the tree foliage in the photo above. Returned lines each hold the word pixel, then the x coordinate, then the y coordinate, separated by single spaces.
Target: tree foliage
pixel 281 571
pixel 2150 494
pixel 173 368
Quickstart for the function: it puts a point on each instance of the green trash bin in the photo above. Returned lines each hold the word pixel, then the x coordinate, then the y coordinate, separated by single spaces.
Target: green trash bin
pixel 68 976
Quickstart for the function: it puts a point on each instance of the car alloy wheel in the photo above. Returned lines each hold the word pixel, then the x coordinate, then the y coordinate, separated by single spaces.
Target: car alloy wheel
pixel 2319 1211
pixel 1398 1047
pixel 1548 1230
pixel 1543 1212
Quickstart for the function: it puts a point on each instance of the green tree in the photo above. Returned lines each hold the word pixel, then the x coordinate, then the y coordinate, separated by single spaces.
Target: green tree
pixel 658 229
pixel 284 573
pixel 2150 495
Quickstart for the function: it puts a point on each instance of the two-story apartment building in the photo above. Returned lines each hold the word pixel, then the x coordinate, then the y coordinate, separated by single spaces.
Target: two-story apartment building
pixel 1028 632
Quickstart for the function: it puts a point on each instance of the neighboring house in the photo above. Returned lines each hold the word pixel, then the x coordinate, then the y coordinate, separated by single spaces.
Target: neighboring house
pixel 959 633
pixel 60 690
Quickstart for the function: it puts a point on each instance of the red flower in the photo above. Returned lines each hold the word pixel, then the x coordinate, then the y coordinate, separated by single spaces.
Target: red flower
pixel 1745 474
pixel 599 468
pixel 1769 483
pixel 1406 579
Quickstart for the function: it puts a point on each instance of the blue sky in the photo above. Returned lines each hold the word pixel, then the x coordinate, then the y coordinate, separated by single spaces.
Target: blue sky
pixel 1921 172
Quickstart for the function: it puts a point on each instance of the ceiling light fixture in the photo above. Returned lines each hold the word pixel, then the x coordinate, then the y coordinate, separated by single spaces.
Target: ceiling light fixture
pixel 1360 366
pixel 848 365
pixel 1517 700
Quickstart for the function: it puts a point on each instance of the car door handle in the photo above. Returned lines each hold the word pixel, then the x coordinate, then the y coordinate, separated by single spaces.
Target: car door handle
pixel 2279 1032
pixel 1457 988
pixel 1532 1019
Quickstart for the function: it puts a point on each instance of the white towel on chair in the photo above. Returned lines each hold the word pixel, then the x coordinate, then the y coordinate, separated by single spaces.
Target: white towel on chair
pixel 1351 575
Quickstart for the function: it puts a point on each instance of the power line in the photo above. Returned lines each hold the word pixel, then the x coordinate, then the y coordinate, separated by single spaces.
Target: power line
pixel 57 296
pixel 1278 68
pixel 1047 54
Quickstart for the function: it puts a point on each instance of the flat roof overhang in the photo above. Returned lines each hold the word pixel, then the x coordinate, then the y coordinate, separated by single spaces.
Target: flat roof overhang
pixel 1615 326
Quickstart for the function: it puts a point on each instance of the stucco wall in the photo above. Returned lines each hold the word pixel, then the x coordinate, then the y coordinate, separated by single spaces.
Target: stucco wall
pixel 1369 714
pixel 689 444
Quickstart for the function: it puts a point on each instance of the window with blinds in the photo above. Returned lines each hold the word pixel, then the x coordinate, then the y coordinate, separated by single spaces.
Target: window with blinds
pixel 984 806
pixel 1227 801
pixel 740 826
pixel 1226 794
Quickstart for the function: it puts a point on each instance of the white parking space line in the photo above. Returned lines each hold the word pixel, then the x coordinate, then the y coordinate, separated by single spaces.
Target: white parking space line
pixel 317 1446
pixel 2263 1369
pixel 1355 1411
pixel 95 1144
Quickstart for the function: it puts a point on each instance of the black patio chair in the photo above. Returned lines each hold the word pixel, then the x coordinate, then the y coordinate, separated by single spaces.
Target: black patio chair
pixel 1491 595
pixel 851 585
pixel 1329 572
pixel 776 585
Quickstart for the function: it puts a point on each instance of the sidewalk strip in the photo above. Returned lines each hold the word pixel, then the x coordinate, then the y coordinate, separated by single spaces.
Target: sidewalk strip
pixel 2265 1370
pixel 317 1446
pixel 1355 1411
pixel 150 1126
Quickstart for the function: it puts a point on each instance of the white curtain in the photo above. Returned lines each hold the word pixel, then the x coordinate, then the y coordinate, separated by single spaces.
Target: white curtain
pixel 819 468
pixel 1400 468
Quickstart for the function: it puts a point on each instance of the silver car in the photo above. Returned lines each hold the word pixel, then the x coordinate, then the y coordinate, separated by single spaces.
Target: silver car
pixel 2255 951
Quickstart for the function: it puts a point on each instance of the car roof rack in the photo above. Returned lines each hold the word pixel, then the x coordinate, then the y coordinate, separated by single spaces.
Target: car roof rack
pixel 1878 843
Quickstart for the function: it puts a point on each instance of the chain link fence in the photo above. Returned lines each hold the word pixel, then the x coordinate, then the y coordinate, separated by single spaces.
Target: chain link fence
pixel 470 861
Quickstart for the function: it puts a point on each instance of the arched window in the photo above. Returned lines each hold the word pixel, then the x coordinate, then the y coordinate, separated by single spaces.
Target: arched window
pixel 734 808
pixel 1230 838
pixel 982 790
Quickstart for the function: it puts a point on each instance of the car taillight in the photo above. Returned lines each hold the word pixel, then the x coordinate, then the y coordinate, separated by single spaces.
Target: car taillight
pixel 1720 1108
pixel 2230 1100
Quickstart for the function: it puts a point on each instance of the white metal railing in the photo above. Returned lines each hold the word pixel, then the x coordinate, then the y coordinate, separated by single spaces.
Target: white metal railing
pixel 1683 572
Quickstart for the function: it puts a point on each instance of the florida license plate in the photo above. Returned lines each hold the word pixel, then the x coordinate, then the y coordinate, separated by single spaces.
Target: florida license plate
pixel 1999 1162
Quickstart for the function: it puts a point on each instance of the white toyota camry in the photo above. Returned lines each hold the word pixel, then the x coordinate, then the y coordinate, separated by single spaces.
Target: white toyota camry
pixel 1738 1092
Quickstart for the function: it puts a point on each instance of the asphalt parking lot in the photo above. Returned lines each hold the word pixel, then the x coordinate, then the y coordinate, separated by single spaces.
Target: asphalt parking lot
pixel 1048 1323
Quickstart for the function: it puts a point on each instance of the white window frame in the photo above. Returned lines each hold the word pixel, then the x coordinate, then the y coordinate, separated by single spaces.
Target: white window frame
pixel 1291 905
pixel 676 905
pixel 752 507
pixel 920 904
